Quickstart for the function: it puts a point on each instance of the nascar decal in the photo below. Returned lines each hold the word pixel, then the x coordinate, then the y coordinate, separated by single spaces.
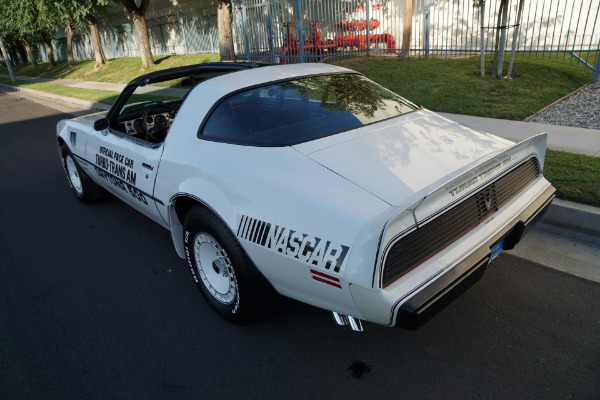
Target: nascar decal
pixel 309 249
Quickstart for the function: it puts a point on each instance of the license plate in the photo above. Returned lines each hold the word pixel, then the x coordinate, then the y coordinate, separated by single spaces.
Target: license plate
pixel 496 251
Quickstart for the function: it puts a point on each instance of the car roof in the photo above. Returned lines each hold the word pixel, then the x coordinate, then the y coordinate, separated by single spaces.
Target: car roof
pixel 177 72
pixel 223 85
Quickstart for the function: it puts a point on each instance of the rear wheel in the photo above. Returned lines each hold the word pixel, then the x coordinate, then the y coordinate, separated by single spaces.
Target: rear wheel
pixel 85 190
pixel 220 267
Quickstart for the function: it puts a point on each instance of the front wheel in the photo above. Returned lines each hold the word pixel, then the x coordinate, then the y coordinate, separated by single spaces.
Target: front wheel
pixel 85 190
pixel 220 267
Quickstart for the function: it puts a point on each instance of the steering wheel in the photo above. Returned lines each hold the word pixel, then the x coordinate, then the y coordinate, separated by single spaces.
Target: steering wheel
pixel 161 124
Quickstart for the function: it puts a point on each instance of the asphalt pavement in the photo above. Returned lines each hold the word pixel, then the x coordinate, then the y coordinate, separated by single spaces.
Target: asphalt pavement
pixel 95 304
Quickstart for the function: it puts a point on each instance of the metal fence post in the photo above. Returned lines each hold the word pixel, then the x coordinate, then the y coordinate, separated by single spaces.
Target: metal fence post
pixel 127 39
pixel 367 12
pixel 270 34
pixel 300 21
pixel 185 48
pixel 597 70
pixel 113 38
pixel 246 38
pixel 210 36
pixel 426 41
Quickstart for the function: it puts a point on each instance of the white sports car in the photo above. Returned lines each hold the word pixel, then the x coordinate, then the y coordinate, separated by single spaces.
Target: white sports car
pixel 310 181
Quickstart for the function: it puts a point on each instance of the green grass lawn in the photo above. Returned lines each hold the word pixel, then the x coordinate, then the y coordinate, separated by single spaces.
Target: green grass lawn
pixel 456 86
pixel 99 96
pixel 439 84
pixel 119 70
pixel 576 177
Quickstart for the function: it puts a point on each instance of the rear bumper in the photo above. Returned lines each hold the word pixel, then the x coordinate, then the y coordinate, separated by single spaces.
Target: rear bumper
pixel 417 309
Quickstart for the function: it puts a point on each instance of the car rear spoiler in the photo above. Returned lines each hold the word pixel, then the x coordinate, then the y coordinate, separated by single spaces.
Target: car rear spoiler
pixel 484 172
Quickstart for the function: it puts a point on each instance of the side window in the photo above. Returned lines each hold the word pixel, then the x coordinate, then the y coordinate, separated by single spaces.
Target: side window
pixel 237 117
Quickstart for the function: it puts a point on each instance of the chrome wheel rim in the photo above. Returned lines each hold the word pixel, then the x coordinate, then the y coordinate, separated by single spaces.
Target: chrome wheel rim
pixel 214 268
pixel 74 175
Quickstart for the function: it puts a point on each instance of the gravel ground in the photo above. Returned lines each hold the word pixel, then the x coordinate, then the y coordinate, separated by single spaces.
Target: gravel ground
pixel 581 110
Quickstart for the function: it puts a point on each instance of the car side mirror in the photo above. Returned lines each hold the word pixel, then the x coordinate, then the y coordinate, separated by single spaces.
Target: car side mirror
pixel 101 124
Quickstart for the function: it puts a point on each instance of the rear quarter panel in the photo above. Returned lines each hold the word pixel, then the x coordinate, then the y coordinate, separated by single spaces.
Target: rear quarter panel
pixel 288 191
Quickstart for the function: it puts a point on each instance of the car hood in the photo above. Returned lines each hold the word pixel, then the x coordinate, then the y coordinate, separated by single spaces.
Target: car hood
pixel 401 159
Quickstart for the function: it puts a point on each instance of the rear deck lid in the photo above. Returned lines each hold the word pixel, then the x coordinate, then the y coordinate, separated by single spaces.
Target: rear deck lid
pixel 400 159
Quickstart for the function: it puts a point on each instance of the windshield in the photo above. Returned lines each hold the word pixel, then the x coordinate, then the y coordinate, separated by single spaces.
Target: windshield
pixel 292 112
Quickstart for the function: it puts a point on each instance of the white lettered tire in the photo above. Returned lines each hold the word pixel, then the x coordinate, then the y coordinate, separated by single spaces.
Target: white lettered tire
pixel 220 267
pixel 84 189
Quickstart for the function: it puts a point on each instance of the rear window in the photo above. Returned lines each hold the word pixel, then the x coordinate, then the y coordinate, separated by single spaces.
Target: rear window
pixel 292 112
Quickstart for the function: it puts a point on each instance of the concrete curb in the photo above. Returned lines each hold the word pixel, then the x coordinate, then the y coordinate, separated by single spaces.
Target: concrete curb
pixel 562 213
pixel 573 216
pixel 86 104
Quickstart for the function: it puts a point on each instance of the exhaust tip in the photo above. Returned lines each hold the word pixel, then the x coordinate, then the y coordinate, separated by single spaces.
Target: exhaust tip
pixel 354 323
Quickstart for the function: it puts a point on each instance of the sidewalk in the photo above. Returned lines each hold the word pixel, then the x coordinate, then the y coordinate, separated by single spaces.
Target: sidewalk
pixel 563 138
pixel 91 85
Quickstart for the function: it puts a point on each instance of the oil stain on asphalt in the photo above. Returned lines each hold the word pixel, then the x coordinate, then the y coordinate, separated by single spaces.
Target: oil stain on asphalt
pixel 358 369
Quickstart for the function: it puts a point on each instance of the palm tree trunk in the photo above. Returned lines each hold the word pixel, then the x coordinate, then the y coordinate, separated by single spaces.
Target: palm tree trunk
pixel 20 59
pixel 70 34
pixel 481 13
pixel 29 52
pixel 141 29
pixel 96 42
pixel 224 21
pixel 48 45
pixel 137 14
pixel 497 42
pixel 515 37
pixel 503 37
pixel 407 30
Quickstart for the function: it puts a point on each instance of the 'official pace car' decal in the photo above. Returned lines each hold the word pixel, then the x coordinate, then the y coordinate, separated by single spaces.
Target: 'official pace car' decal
pixel 309 249
pixel 117 169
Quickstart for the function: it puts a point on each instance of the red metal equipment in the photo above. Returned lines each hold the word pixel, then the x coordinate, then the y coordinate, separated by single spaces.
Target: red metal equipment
pixel 316 49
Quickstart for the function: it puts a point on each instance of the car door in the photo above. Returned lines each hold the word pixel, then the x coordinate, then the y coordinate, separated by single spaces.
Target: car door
pixel 127 167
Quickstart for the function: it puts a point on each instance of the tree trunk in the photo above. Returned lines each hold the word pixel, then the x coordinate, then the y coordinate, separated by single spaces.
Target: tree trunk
pixel 481 13
pixel 407 30
pixel 497 43
pixel 70 34
pixel 48 45
pixel 141 30
pixel 224 21
pixel 515 37
pixel 503 37
pixel 7 62
pixel 137 14
pixel 20 59
pixel 29 53
pixel 96 43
